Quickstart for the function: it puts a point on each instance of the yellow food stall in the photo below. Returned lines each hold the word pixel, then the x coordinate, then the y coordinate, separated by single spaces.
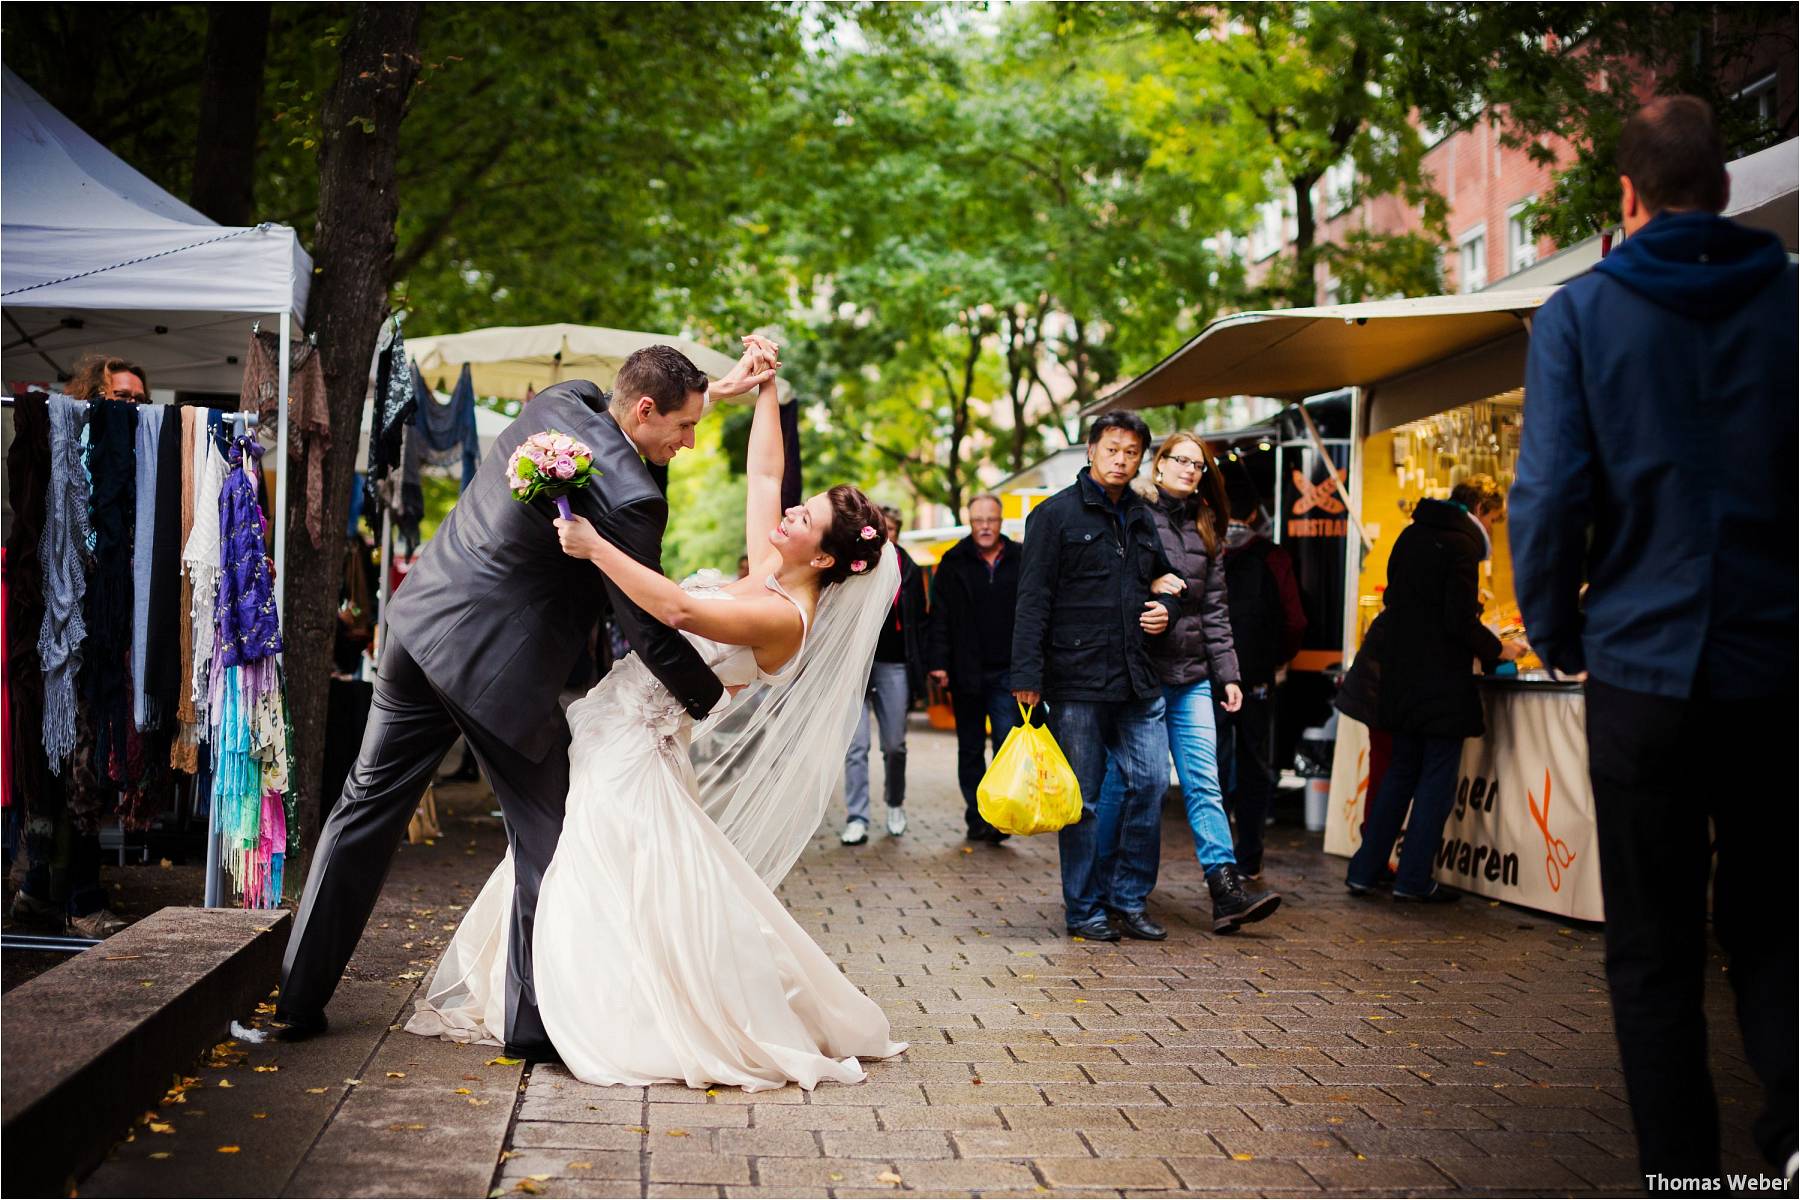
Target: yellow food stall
pixel 1437 396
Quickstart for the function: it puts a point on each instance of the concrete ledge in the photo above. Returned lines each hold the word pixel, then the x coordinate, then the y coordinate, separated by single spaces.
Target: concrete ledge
pixel 89 1045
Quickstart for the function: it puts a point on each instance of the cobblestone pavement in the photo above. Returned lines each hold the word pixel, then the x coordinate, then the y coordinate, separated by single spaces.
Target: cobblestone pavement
pixel 1342 1046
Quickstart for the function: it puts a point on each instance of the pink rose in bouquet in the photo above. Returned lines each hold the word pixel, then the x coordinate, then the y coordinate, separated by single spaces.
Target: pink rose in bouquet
pixel 550 465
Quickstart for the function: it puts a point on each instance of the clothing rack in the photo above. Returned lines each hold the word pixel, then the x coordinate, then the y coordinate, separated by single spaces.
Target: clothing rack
pixel 215 866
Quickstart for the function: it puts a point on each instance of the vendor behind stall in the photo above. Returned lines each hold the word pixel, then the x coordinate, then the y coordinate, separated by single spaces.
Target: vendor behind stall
pixel 1428 634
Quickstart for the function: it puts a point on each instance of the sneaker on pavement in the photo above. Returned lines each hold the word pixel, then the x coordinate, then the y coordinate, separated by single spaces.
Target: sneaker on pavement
pixel 855 833
pixel 896 822
pixel 101 923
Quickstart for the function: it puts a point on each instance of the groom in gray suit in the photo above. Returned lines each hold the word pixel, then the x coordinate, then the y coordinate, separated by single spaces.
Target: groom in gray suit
pixel 479 642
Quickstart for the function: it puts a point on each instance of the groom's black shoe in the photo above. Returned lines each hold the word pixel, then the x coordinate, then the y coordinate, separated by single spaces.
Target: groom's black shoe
pixel 292 1027
pixel 1097 930
pixel 532 1052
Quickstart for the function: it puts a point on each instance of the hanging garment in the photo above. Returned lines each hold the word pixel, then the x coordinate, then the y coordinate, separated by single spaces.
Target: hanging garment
pixel 200 559
pixel 309 416
pixel 448 430
pixel 27 773
pixel 248 629
pixel 106 656
pixel 394 407
pixel 63 555
pixel 403 496
pixel 184 755
pixel 162 661
pixel 143 540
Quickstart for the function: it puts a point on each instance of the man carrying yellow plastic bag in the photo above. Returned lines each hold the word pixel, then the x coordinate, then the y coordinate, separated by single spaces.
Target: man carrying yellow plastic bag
pixel 1030 787
pixel 1085 609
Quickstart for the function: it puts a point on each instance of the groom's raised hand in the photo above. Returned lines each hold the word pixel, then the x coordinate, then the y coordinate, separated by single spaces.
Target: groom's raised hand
pixel 760 361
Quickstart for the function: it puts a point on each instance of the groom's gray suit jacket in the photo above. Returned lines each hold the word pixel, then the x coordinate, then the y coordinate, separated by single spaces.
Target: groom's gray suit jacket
pixel 496 614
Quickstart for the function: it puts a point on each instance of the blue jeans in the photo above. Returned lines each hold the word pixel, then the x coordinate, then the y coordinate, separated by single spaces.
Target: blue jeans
pixel 983 718
pixel 1422 772
pixel 1132 732
pixel 1193 740
pixel 888 696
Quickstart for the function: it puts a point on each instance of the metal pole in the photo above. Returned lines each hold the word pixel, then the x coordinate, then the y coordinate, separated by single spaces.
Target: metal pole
pixel 1354 549
pixel 281 475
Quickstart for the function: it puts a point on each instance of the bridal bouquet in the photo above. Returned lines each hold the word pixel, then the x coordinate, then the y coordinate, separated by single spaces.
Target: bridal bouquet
pixel 550 465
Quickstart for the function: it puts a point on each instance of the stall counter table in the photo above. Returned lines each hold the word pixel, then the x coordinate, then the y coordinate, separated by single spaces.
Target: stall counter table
pixel 1522 829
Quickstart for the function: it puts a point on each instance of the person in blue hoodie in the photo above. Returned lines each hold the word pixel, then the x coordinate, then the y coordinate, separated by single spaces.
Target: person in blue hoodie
pixel 1657 467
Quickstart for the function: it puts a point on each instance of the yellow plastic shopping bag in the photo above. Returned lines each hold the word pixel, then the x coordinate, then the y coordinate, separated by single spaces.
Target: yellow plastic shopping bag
pixel 1030 787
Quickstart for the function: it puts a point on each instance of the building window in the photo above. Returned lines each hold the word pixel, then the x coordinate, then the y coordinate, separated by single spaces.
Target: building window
pixel 1761 96
pixel 1340 186
pixel 1471 259
pixel 1270 233
pixel 1521 243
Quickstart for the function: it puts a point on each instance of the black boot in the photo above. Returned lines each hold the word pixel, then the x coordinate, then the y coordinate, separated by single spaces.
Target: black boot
pixel 1235 904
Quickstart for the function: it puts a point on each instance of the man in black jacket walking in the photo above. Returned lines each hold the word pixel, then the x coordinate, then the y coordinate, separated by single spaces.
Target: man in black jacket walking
pixel 1085 608
pixel 969 651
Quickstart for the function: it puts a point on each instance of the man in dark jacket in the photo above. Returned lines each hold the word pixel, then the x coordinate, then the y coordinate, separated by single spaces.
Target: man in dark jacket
pixel 969 649
pixel 1267 625
pixel 1430 633
pixel 895 677
pixel 1085 608
pixel 1657 465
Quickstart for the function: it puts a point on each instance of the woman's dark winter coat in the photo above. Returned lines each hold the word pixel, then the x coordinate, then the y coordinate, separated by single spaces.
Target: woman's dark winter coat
pixel 1198 645
pixel 1415 673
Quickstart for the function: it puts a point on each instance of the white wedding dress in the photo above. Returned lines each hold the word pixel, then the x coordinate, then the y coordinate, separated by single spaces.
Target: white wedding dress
pixel 659 954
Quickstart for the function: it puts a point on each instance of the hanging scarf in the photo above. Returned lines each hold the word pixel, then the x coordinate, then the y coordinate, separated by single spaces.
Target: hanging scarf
pixel 248 630
pixel 184 755
pixel 162 661
pixel 448 430
pixel 27 491
pixel 392 411
pixel 200 559
pixel 309 416
pixel 63 555
pixel 106 658
pixel 143 541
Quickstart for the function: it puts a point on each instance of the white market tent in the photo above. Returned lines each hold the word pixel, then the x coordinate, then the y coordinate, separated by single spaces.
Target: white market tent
pixel 507 359
pixel 95 257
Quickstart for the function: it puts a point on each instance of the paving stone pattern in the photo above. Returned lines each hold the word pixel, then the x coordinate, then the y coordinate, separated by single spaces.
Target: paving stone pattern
pixel 1344 1046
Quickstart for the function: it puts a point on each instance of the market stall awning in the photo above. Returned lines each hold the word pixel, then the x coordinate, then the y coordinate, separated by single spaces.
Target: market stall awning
pixel 1293 353
pixel 96 257
pixel 507 360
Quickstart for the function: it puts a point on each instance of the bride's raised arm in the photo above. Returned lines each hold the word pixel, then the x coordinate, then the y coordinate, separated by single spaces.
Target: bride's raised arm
pixel 763 467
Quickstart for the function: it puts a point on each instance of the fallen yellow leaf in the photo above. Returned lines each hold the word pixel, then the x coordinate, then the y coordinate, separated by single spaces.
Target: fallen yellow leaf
pixel 259 1116
pixel 315 1091
pixel 889 1178
pixel 581 1166
pixel 265 1069
pixel 1243 1157
pixel 161 1127
pixel 530 1187
pixel 225 1083
pixel 396 1074
pixel 504 1062
pixel 160 1154
pixel 462 1092
pixel 676 1132
pixel 228 1149
pixel 352 1082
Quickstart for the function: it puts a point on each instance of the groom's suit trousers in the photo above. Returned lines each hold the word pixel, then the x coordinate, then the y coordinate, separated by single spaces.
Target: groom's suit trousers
pixel 411 726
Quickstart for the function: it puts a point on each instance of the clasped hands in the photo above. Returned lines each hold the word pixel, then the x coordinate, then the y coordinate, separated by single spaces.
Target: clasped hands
pixel 760 361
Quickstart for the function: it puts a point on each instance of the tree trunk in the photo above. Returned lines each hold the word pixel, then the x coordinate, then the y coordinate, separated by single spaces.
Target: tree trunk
pixel 1304 292
pixel 353 255
pixel 231 81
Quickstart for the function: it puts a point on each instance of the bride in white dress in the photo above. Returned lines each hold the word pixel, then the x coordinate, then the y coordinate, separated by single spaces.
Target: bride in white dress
pixel 661 953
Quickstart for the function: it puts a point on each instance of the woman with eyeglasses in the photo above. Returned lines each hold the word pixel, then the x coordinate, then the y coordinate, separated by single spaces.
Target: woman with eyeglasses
pixel 1187 497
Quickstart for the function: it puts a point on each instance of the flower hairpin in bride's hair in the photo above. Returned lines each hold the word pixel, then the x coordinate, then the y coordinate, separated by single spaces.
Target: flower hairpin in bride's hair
pixel 550 465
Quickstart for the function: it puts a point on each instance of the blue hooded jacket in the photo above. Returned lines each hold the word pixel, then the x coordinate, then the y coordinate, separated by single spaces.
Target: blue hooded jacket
pixel 1657 466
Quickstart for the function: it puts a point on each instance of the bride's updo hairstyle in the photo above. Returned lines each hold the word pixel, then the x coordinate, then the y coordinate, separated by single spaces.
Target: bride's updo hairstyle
pixel 857 534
